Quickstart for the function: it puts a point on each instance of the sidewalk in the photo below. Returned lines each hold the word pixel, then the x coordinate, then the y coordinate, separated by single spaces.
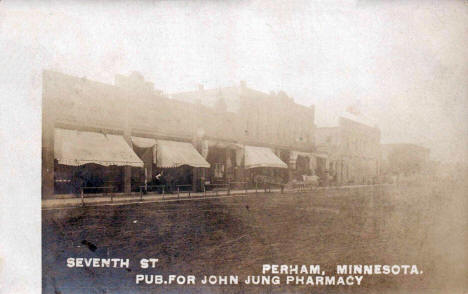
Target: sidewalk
pixel 92 200
pixel 121 199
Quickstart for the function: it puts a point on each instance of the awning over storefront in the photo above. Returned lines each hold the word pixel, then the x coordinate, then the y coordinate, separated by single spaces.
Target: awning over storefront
pixel 76 148
pixel 141 142
pixel 320 155
pixel 174 154
pixel 304 154
pixel 261 157
pixel 312 154
pixel 230 145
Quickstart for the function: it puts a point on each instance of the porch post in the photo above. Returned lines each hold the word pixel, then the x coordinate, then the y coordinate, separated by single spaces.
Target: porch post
pixel 127 176
pixel 199 174
pixel 195 178
pixel 291 164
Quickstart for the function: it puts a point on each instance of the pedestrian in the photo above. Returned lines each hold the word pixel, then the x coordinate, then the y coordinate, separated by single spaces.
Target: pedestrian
pixel 158 178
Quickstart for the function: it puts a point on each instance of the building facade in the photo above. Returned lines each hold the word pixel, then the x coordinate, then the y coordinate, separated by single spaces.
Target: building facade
pixel 129 108
pixel 126 133
pixel 261 118
pixel 256 118
pixel 353 148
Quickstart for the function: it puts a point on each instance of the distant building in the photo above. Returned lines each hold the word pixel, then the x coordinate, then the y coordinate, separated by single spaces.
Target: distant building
pixel 353 150
pixel 404 158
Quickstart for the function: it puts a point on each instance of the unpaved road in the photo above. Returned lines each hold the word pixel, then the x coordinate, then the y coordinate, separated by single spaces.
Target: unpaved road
pixel 417 224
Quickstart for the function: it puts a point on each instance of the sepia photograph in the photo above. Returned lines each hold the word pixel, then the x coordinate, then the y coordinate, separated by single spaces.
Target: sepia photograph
pixel 234 146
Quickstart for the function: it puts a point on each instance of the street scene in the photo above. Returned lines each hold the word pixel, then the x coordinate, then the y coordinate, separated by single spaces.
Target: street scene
pixel 209 140
pixel 219 182
pixel 234 147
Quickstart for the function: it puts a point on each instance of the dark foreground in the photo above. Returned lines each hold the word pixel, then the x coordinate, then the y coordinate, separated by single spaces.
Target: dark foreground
pixel 416 224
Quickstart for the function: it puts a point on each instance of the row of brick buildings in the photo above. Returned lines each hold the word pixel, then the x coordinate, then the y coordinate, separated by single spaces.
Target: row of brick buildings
pixel 124 135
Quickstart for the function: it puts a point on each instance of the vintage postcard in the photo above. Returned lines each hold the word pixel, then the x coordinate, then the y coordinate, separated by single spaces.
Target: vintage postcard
pixel 234 147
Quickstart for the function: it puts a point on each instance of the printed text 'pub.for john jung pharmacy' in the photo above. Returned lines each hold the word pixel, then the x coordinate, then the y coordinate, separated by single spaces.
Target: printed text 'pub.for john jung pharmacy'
pixel 271 274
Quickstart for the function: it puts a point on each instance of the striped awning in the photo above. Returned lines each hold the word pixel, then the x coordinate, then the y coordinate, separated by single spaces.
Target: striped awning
pixel 261 157
pixel 76 148
pixel 174 154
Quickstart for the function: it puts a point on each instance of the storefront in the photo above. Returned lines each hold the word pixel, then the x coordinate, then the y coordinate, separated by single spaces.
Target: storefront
pixel 305 164
pixel 91 161
pixel 261 163
pixel 143 147
pixel 226 162
pixel 322 168
pixel 169 163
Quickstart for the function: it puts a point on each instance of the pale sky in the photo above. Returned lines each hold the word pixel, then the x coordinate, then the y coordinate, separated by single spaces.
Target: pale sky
pixel 405 61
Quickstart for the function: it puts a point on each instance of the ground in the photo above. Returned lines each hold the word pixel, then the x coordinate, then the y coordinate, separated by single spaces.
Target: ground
pixel 420 224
